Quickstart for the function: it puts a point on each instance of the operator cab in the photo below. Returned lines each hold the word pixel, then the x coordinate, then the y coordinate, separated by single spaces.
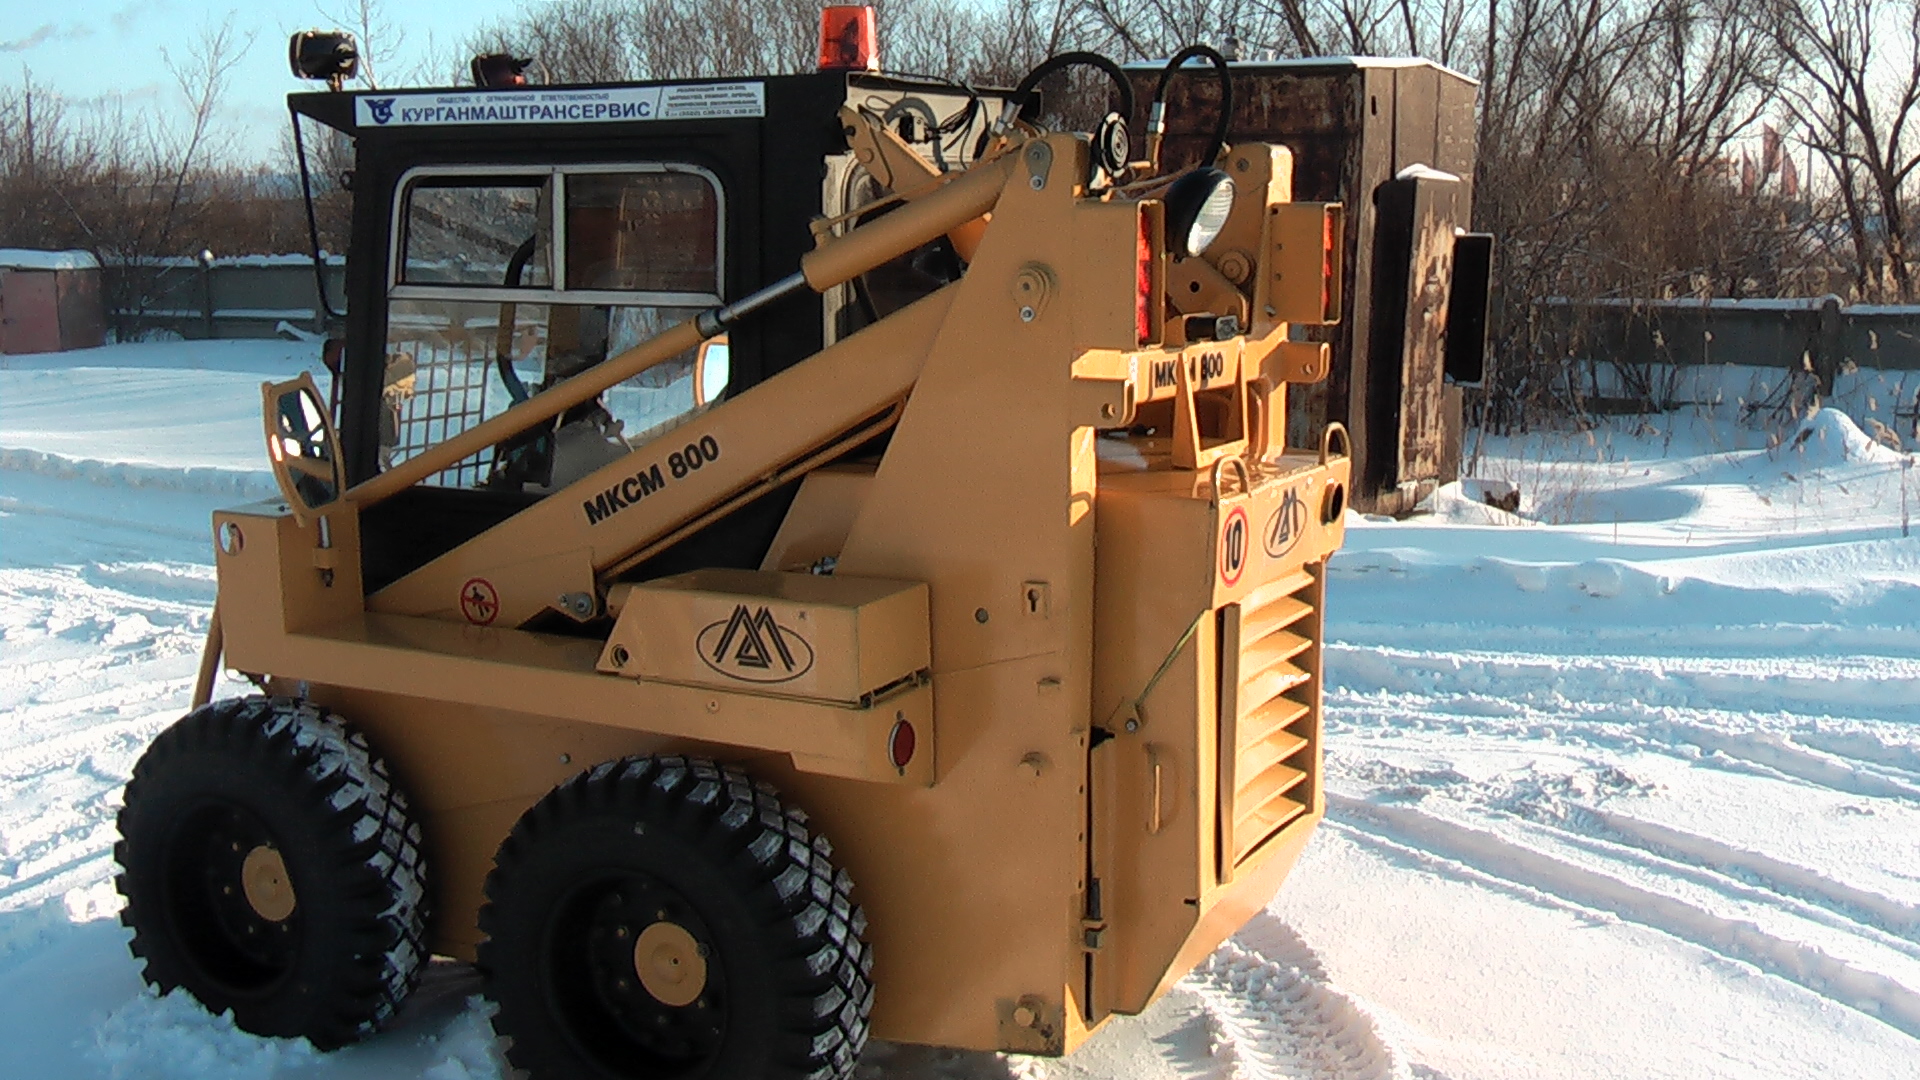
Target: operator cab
pixel 504 239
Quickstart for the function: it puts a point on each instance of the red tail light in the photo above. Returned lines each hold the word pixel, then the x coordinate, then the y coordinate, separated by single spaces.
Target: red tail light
pixel 1143 271
pixel 1329 276
pixel 849 40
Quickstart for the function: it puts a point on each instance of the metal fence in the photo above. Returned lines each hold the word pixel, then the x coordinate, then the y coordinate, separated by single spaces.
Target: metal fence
pixel 244 297
pixel 1821 335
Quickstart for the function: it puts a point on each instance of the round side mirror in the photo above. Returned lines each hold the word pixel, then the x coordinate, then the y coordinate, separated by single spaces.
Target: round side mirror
pixel 301 445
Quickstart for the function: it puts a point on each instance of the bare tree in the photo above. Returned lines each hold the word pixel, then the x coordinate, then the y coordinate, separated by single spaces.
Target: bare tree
pixel 1611 131
pixel 379 37
pixel 201 74
pixel 1857 80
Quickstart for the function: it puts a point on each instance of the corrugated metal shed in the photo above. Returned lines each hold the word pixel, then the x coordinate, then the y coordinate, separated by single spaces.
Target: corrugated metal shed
pixel 49 301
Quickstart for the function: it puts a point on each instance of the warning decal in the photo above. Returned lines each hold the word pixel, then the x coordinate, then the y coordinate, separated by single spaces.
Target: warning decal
pixel 611 104
pixel 479 602
pixel 1233 546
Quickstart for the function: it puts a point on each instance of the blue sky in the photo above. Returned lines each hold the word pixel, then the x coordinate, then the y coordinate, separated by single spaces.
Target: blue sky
pixel 95 50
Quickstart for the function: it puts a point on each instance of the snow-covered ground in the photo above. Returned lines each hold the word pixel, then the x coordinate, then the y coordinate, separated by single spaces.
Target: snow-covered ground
pixel 1624 785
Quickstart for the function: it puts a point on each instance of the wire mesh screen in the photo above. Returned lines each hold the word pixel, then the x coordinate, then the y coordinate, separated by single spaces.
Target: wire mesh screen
pixel 453 364
pixel 450 396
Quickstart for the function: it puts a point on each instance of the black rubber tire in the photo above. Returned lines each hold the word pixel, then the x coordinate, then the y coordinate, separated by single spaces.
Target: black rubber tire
pixel 281 773
pixel 789 986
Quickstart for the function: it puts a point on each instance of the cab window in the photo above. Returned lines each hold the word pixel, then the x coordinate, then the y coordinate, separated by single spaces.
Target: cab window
pixel 505 283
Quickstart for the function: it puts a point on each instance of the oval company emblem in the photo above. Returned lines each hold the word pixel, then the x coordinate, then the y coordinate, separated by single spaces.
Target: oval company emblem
pixel 1233 546
pixel 749 645
pixel 1287 525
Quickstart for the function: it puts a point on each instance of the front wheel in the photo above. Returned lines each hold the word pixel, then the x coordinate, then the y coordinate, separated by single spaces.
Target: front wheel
pixel 669 918
pixel 271 867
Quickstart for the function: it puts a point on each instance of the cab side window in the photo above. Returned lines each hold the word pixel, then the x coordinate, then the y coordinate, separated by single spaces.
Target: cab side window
pixel 507 282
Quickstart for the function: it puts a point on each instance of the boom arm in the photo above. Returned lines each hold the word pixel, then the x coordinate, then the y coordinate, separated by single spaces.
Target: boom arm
pixel 952 205
pixel 560 548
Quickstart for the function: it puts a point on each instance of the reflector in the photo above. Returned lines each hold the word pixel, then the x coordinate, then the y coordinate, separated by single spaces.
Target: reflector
pixel 1144 292
pixel 849 40
pixel 901 743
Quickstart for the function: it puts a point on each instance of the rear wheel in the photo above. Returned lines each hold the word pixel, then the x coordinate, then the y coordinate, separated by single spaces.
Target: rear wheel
pixel 270 867
pixel 669 918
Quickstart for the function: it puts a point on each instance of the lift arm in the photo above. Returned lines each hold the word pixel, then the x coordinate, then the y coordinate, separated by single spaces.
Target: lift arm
pixel 963 199
pixel 556 553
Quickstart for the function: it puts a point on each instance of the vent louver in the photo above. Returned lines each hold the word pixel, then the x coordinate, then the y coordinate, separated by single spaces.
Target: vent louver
pixel 1269 693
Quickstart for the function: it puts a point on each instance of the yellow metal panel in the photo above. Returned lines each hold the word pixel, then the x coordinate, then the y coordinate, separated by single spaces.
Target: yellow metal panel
pixel 537 674
pixel 1303 277
pixel 803 635
pixel 971 887
pixel 1217 728
pixel 816 524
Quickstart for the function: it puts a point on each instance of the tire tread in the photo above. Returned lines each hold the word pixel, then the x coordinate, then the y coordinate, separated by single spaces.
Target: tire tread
pixel 374 844
pixel 784 869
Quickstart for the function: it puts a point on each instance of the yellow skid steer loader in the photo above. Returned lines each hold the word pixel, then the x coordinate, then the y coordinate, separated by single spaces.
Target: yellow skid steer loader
pixel 971 544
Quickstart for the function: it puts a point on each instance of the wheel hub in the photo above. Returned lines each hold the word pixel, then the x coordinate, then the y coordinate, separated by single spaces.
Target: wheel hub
pixel 263 877
pixel 669 963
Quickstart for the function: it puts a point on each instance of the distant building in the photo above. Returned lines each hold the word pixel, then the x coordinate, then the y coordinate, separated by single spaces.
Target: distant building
pixel 49 301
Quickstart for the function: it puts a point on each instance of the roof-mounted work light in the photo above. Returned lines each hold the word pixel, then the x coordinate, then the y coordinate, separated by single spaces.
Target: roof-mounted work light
pixel 500 69
pixel 849 39
pixel 331 56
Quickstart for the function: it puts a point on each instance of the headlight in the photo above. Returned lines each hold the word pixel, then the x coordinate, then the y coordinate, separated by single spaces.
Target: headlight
pixel 1197 208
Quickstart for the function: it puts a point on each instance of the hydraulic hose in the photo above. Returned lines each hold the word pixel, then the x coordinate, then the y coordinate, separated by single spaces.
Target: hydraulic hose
pixel 1021 104
pixel 1157 116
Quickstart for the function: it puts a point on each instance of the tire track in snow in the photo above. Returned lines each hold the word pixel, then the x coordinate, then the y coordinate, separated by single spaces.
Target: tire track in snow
pixel 1553 810
pixel 1773 752
pixel 99 658
pixel 1864 747
pixel 1881 912
pixel 1274 1013
pixel 1903 761
pixel 1866 916
pixel 1850 685
pixel 1740 940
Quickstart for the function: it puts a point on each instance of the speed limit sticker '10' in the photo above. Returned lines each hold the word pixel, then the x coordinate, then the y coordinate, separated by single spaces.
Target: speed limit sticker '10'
pixel 1234 546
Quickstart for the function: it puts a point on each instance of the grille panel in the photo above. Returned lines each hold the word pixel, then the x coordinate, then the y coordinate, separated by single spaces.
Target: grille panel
pixel 1269 690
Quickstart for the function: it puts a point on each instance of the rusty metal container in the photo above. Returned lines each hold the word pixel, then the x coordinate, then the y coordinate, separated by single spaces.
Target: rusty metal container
pixel 49 302
pixel 1395 137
